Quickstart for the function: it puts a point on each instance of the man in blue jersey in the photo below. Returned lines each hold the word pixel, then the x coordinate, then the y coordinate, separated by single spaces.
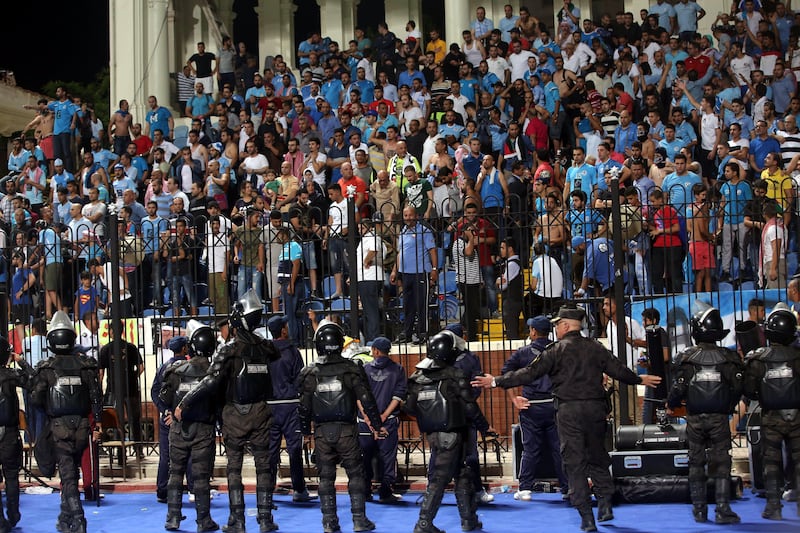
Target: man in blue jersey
pixel 65 115
pixel 158 118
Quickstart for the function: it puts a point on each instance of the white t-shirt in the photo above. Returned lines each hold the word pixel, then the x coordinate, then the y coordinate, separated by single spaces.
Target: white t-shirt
pixel 319 178
pixel 519 64
pixel 550 280
pixel 338 217
pixel 708 130
pixel 370 243
pixel 635 331
pixel 216 249
pixel 736 145
pixel 771 233
pixel 498 66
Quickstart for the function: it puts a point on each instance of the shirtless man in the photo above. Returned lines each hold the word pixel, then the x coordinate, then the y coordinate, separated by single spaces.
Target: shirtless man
pixel 565 79
pixel 42 126
pixel 119 128
pixel 701 246
pixel 528 25
pixel 550 227
pixel 441 158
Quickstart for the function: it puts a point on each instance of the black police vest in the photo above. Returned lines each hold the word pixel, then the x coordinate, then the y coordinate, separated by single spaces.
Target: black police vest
pixel 435 412
pixel 708 392
pixel 69 395
pixel 780 386
pixel 332 400
pixel 9 405
pixel 189 376
pixel 253 382
pixel 514 288
pixel 285 267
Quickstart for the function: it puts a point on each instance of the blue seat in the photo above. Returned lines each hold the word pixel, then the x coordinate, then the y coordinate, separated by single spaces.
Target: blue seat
pixel 791 264
pixel 447 282
pixel 205 310
pixel 340 304
pixel 180 131
pixel 180 142
pixel 748 286
pixel 725 287
pixel 449 307
pixel 328 286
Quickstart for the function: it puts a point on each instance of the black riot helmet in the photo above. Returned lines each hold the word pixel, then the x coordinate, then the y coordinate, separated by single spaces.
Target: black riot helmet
pixel 5 351
pixel 247 312
pixel 329 341
pixel 442 349
pixel 706 324
pixel 202 339
pixel 781 325
pixel 61 336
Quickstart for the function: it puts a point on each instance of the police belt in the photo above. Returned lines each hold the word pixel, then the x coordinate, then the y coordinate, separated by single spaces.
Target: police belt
pixel 545 400
pixel 282 402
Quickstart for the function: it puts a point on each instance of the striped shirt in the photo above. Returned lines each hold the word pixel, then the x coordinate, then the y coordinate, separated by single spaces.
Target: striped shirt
pixel 790 146
pixel 185 87
pixel 610 122
pixel 468 270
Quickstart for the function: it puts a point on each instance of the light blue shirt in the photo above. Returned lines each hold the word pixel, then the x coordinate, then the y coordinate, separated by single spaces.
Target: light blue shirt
pixel 687 15
pixel 679 189
pixel 413 247
pixel 664 12
pixel 505 26
pixel 583 177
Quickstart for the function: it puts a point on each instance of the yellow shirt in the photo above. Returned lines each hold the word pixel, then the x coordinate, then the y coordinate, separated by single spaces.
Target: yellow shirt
pixel 439 48
pixel 776 185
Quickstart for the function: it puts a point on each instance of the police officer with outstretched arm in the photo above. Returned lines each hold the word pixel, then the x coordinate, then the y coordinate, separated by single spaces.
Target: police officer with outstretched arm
pixel 576 366
pixel 772 376
pixel 709 380
pixel 329 390
pixel 10 444
pixel 441 398
pixel 193 435
pixel 241 371
pixel 66 386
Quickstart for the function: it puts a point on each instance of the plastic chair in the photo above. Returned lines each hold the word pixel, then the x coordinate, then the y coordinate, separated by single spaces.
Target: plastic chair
pixel 180 131
pixel 791 264
pixel 724 287
pixel 328 286
pixel 115 443
pixel 447 282
pixel 748 286
pixel 340 304
pixel 448 307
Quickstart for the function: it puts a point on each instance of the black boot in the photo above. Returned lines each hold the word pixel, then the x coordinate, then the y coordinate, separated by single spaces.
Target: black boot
pixel 264 505
pixel 699 494
pixel 430 506
pixel 202 503
pixel 78 526
pixel 330 520
pixel 174 502
pixel 467 511
pixel 358 508
pixel 722 494
pixel 604 510
pixel 236 508
pixel 772 511
pixel 587 521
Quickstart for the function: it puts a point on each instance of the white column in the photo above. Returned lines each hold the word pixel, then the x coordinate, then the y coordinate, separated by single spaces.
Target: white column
pixel 348 19
pixel 286 33
pixel 456 19
pixel 157 31
pixel 276 29
pixel 128 56
pixel 398 13
pixel 225 13
pixel 331 13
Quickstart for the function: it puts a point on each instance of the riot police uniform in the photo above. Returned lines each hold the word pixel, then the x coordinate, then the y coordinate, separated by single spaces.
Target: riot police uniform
pixel 192 435
pixel 66 386
pixel 709 379
pixel 10 444
pixel 537 422
pixel 772 376
pixel 576 366
pixel 329 389
pixel 441 398
pixel 242 370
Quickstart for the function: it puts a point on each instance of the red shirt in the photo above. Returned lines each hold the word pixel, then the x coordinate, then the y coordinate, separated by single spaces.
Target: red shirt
pixel 374 105
pixel 361 187
pixel 665 218
pixel 537 131
pixel 700 63
pixel 484 231
pixel 624 102
pixel 143 144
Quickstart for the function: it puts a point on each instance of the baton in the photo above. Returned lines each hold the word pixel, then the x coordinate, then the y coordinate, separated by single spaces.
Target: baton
pixel 95 473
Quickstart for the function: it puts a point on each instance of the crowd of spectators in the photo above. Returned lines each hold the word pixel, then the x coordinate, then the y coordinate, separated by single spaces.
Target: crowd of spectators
pixel 492 157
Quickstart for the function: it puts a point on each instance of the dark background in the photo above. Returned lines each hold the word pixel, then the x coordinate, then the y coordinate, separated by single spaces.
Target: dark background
pixel 66 41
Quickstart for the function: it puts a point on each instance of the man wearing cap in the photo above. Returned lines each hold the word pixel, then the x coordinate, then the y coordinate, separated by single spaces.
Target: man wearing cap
pixel 286 399
pixel 576 366
pixel 180 352
pixel 388 382
pixel 537 415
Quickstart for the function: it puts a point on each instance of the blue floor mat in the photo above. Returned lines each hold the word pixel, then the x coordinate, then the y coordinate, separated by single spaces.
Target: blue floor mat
pixel 140 513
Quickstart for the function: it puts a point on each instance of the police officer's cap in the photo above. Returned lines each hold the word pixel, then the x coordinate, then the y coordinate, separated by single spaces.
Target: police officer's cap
pixel 569 313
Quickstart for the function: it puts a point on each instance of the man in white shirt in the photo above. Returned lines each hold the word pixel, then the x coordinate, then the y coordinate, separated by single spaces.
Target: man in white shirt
pixel 335 241
pixel 255 164
pixel 633 332
pixel 498 65
pixel 369 264
pixel 518 59
pixel 547 281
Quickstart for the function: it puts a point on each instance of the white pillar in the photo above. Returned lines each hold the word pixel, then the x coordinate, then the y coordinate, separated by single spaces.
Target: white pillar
pixel 128 56
pixel 398 13
pixel 332 24
pixel 276 29
pixel 456 20
pixel 157 31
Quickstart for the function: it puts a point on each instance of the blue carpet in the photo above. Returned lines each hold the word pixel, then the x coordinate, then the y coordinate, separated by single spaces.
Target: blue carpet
pixel 140 513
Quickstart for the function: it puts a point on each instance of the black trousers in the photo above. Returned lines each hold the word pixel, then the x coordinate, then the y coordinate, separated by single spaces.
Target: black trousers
pixel 334 443
pixel 471 297
pixel 709 431
pixel 162 476
pixel 582 433
pixel 195 441
pixel 667 269
pixel 448 460
pixel 538 426
pixel 386 451
pixel 70 438
pixel 286 424
pixel 415 304
pixel 11 459
pixel 775 431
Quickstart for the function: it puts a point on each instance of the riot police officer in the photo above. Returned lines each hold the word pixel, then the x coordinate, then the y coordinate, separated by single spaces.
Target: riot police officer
pixel 440 396
pixel 66 386
pixel 329 389
pixel 576 366
pixel 192 435
pixel 242 369
pixel 772 376
pixel 10 444
pixel 709 379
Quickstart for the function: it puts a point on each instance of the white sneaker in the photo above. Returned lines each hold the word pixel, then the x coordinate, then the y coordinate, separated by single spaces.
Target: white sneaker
pixel 485 497
pixel 213 493
pixel 191 497
pixel 524 495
